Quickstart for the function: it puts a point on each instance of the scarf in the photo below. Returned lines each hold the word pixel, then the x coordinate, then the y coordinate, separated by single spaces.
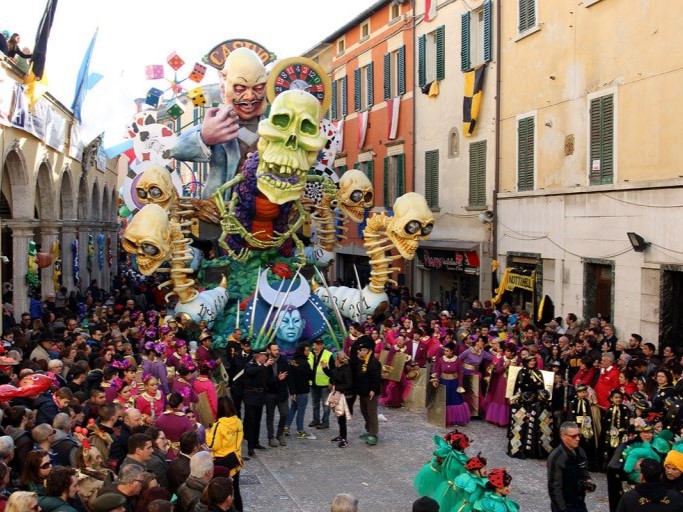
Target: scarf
pixel 364 367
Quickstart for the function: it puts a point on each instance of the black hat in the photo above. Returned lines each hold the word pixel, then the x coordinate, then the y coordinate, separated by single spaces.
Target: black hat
pixel 258 351
pixel 246 342
pixel 425 504
pixel 108 502
pixel 581 387
pixel 366 342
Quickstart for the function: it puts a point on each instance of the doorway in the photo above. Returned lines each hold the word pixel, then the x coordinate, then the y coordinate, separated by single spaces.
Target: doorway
pixel 671 310
pixel 598 289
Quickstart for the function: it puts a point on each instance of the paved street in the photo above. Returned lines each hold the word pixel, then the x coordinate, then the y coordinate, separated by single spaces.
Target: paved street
pixel 307 474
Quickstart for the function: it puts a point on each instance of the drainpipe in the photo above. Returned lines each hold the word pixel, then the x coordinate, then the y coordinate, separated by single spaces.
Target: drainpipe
pixel 412 7
pixel 496 178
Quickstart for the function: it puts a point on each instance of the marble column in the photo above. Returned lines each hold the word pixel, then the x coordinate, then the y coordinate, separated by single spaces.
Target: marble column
pixel 69 232
pixel 114 252
pixel 48 235
pixel 22 233
pixel 83 232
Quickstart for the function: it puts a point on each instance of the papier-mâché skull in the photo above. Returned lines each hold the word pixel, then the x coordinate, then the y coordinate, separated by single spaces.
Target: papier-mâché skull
pixel 245 83
pixel 412 221
pixel 155 186
pixel 355 194
pixel 148 237
pixel 289 145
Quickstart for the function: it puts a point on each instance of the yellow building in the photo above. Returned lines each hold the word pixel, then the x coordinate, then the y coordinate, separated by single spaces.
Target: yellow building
pixel 53 188
pixel 590 119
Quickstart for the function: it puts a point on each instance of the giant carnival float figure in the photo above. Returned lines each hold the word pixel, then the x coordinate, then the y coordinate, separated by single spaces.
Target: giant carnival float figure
pixel 258 197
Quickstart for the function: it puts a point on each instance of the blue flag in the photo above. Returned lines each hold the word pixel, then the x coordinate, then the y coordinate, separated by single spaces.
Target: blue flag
pixel 84 81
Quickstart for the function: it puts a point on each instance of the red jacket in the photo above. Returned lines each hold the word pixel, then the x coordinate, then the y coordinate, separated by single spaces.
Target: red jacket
pixel 607 381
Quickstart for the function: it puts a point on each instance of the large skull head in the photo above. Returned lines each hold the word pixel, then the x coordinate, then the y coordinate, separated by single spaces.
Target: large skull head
pixel 355 194
pixel 156 187
pixel 148 236
pixel 245 83
pixel 412 221
pixel 289 145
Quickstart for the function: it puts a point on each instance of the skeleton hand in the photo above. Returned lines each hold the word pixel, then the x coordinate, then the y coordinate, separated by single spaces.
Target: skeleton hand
pixel 205 209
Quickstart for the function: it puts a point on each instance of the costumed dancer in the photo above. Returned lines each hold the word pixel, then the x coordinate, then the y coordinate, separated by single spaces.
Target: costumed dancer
pixel 151 402
pixel 449 458
pixel 183 384
pixel 496 499
pixel 179 356
pixel 174 422
pixel 524 429
pixel 581 411
pixel 204 384
pixel 497 405
pixel 466 489
pixel 396 391
pixel 155 366
pixel 665 390
pixel 125 397
pixel 447 371
pixel 615 423
pixel 471 362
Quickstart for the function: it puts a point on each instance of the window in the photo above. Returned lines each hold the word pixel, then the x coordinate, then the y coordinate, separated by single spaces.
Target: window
pixel 476 37
pixel 363 85
pixel 478 174
pixel 601 140
pixel 394 179
pixel 367 167
pixel 395 11
pixel 432 178
pixel 340 170
pixel 395 73
pixel 365 30
pixel 339 98
pixel 527 15
pixel 340 47
pixel 526 143
pixel 431 56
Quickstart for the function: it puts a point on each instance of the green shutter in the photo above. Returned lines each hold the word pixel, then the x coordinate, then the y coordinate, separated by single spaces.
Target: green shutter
pixel 432 178
pixel 401 70
pixel 386 182
pixel 356 165
pixel 602 140
pixel 478 174
pixel 527 14
pixel 341 170
pixel 465 42
pixel 525 154
pixel 441 52
pixel 488 31
pixel 387 76
pixel 531 10
pixel 371 83
pixel 400 175
pixel 334 99
pixel 421 64
pixel 356 89
pixel 344 95
pixel 370 170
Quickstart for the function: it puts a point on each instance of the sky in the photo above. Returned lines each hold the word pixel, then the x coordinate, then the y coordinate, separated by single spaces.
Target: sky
pixel 136 33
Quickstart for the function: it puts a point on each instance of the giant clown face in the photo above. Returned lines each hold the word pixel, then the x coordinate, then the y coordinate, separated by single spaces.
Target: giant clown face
pixel 245 83
pixel 289 145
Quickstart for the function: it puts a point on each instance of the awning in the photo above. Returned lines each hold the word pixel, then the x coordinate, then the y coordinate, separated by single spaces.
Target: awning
pixel 352 249
pixel 450 243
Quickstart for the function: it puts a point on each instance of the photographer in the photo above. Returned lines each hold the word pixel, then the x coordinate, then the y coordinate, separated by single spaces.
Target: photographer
pixel 568 476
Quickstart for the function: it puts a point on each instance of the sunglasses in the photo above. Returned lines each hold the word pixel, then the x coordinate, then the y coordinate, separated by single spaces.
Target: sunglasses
pixel 573 436
pixel 46 465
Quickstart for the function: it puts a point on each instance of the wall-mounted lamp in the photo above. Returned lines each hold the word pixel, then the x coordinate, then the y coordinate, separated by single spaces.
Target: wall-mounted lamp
pixel 638 242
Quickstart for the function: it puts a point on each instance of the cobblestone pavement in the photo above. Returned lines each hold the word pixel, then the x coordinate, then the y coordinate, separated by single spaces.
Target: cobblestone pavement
pixel 307 474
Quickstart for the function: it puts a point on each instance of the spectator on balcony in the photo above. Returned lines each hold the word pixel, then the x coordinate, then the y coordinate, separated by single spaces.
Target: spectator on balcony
pixel 13 47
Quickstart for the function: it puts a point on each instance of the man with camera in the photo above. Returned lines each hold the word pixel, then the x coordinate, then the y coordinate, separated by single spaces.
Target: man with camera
pixel 568 476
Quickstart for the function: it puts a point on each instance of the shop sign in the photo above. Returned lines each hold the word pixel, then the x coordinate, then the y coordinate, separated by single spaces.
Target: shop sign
pixel 520 281
pixel 449 260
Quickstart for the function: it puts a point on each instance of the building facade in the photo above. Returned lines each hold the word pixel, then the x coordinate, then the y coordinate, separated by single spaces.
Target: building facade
pixel 53 189
pixel 455 161
pixel 590 118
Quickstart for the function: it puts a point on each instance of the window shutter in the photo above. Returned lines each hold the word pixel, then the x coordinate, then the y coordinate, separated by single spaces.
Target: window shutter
pixel 525 154
pixel 401 74
pixel 370 170
pixel 488 31
pixel 356 165
pixel 356 89
pixel 441 52
pixel 400 175
pixel 386 182
pixel 531 10
pixel 527 14
pixel 341 170
pixel 421 64
pixel 465 42
pixel 387 76
pixel 344 95
pixel 478 173
pixel 335 83
pixel 432 178
pixel 602 140
pixel 523 15
pixel 371 83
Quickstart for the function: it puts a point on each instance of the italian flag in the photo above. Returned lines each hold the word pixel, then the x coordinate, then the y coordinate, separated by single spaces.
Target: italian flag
pixel 430 10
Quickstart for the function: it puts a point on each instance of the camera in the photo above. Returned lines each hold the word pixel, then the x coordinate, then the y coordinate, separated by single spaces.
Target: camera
pixel 587 485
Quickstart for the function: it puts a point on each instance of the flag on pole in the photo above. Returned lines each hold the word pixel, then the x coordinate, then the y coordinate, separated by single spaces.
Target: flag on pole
pixel 362 127
pixel 36 73
pixel 82 82
pixel 430 10
pixel 474 90
pixel 340 130
pixel 393 108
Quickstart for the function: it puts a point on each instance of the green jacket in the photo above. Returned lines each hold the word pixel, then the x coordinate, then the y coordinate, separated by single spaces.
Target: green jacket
pixel 54 504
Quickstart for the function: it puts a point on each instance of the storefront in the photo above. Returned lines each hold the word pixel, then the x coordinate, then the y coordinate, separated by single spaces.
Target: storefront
pixel 521 282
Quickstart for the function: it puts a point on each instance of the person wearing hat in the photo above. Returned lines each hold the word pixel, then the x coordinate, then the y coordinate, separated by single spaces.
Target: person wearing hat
pixel 42 351
pixel 238 359
pixel 582 412
pixel 368 378
pixel 466 488
pixel 255 374
pixel 203 353
pixel 110 502
pixel 615 424
pixel 525 435
pixel 567 472
pixel 673 470
pixel 652 494
pixel 496 496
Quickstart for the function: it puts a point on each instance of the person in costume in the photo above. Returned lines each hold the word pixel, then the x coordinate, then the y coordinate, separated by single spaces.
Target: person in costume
pixel 396 392
pixel 665 389
pixel 203 353
pixel 183 384
pixel 174 421
pixel 124 396
pixel 448 461
pixel 673 470
pixel 615 423
pixel 466 489
pixel 151 402
pixel 448 372
pixel 471 363
pixel 497 405
pixel 523 431
pixel 581 411
pixel 495 499
pixel 154 365
pixel 204 384
pixel 180 356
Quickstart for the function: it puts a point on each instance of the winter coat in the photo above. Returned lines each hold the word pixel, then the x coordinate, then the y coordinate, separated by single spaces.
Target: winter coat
pixel 299 375
pixel 54 504
pixel 158 465
pixel 342 378
pixel 370 379
pixel 651 497
pixel 190 494
pixel 65 448
pixel 46 408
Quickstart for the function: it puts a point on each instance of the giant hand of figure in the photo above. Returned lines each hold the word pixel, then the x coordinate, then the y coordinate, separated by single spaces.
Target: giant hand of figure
pixel 220 125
